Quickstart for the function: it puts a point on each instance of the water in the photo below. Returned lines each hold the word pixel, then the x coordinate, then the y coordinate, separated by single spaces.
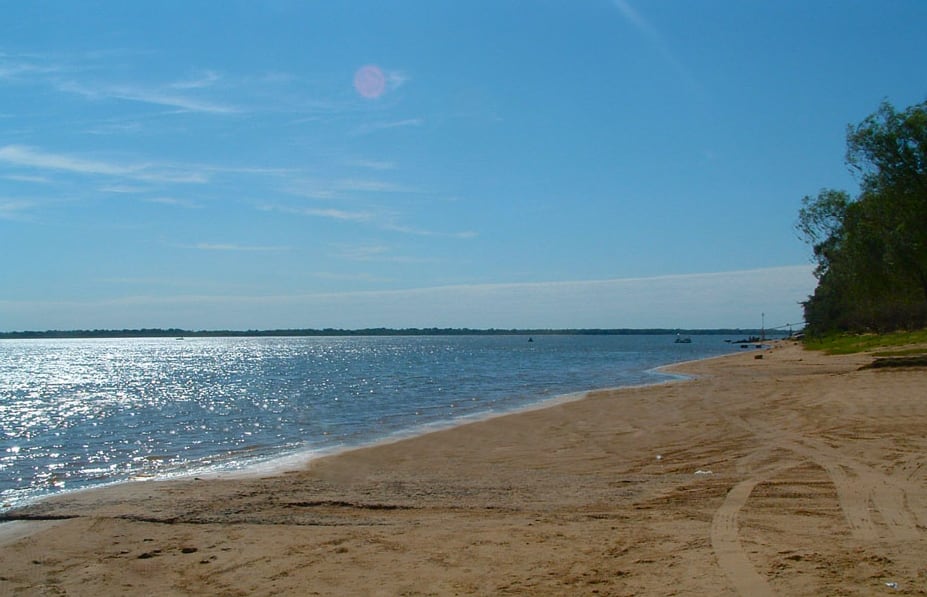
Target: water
pixel 78 413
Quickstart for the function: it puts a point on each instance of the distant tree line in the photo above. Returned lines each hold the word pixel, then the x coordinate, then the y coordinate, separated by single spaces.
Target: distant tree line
pixel 871 250
pixel 180 333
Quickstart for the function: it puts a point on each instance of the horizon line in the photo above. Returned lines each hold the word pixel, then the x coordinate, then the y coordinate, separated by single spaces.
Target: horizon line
pixel 368 331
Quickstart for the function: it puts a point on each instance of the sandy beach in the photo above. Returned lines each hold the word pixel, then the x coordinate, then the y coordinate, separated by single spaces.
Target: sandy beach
pixel 791 474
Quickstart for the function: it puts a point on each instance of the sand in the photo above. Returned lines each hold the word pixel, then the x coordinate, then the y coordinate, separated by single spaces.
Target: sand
pixel 791 474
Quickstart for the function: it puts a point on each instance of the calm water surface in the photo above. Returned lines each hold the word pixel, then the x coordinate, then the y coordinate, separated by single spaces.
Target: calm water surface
pixel 77 413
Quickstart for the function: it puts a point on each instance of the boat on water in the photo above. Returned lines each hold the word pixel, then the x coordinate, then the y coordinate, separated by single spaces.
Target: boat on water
pixel 683 339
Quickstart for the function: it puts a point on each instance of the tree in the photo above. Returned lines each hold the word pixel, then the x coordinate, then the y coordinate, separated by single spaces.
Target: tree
pixel 820 221
pixel 889 151
pixel 872 251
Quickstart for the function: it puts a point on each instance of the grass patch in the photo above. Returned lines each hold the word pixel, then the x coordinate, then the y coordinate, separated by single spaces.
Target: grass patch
pixel 908 352
pixel 853 343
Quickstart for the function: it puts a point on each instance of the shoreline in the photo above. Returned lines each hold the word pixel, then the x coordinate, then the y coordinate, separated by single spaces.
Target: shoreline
pixel 292 463
pixel 12 529
pixel 796 473
pixel 280 463
pixel 305 459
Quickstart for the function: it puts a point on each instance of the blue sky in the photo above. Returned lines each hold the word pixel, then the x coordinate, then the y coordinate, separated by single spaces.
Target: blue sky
pixel 284 164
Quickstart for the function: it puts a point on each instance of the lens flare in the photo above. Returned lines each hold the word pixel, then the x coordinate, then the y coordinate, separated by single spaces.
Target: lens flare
pixel 369 81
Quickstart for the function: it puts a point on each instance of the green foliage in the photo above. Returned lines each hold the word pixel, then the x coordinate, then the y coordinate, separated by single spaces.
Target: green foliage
pixel 853 343
pixel 904 352
pixel 820 221
pixel 871 251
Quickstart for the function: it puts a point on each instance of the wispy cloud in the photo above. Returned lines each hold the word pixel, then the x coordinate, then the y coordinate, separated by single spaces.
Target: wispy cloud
pixel 204 79
pixel 393 227
pixel 232 247
pixel 656 40
pixel 27 178
pixel 361 252
pixel 122 189
pixel 13 66
pixel 347 277
pixel 115 128
pixel 310 189
pixel 379 219
pixel 157 96
pixel 710 300
pixel 393 124
pixel 336 214
pixel 637 20
pixel 25 156
pixel 14 209
pixel 371 186
pixel 377 253
pixel 396 79
pixel 400 123
pixel 334 189
pixel 174 202
pixel 330 213
pixel 185 95
pixel 20 155
pixel 244 170
pixel 373 164
pixel 152 281
pixel 172 174
pixel 90 76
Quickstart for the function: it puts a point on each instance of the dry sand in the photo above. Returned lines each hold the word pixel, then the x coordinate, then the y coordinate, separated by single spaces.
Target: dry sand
pixel 794 474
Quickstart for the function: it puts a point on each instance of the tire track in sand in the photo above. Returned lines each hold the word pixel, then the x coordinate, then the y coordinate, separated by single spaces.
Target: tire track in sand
pixel 862 492
pixel 861 489
pixel 725 538
pixel 727 547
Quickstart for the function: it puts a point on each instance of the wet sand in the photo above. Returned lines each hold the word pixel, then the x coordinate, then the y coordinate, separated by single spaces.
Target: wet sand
pixel 791 474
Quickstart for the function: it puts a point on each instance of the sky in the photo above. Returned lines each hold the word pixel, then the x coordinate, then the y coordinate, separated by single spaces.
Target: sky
pixel 429 163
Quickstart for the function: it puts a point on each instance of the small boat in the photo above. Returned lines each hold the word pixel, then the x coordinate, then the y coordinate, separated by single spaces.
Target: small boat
pixel 683 339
